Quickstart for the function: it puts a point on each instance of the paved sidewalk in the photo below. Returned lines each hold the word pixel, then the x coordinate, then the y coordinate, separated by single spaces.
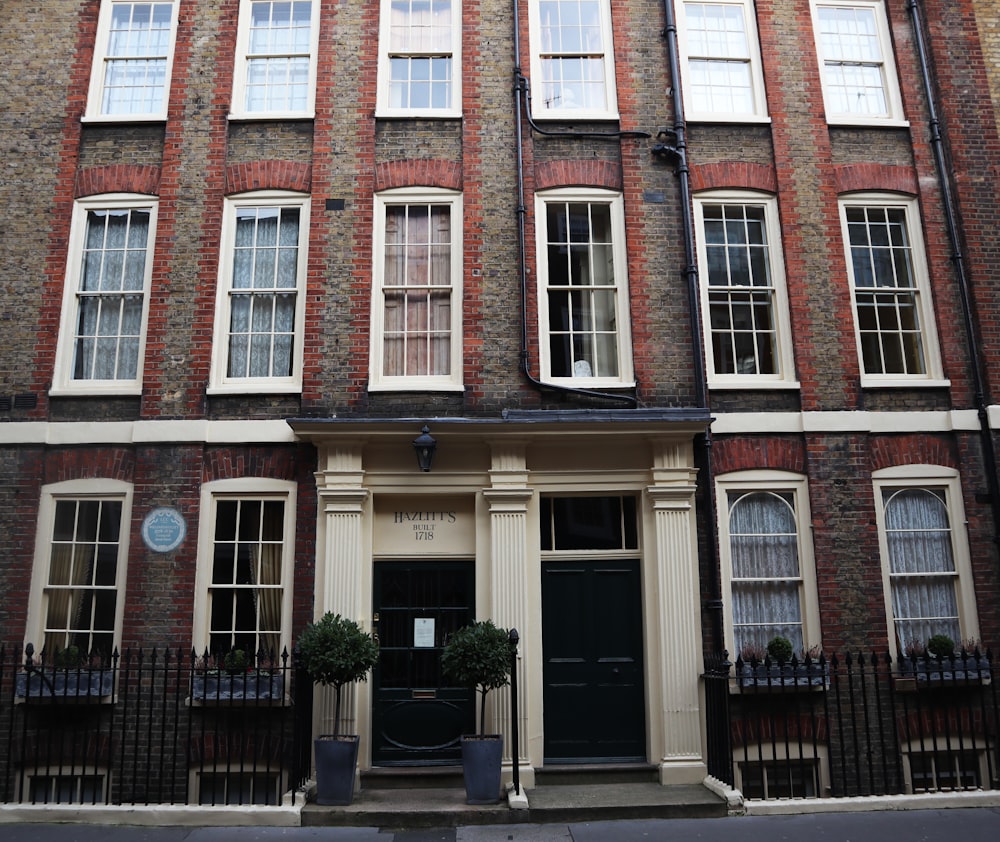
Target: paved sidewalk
pixel 969 825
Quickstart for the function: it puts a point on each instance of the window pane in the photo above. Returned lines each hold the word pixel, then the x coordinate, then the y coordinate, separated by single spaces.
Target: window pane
pixel 246 592
pixel 889 325
pixel 81 595
pixel 262 324
pixel 416 290
pixel 135 63
pixel 582 296
pixel 766 579
pixel 921 565
pixel 110 299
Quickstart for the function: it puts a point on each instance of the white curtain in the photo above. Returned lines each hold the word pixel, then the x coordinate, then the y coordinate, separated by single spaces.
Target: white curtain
pixel 766 582
pixel 921 566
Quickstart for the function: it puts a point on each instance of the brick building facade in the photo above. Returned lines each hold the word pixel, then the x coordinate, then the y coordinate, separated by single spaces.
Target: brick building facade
pixel 698 358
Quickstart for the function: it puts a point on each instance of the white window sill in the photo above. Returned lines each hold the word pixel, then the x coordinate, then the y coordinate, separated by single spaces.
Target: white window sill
pixel 761 119
pixel 901 383
pixel 251 387
pixel 573 115
pixel 868 122
pixel 412 384
pixel 749 381
pixel 96 389
pixel 417 114
pixel 590 385
pixel 124 118
pixel 261 116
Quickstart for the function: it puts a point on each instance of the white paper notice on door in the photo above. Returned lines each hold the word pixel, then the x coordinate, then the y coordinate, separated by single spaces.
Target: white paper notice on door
pixel 423 632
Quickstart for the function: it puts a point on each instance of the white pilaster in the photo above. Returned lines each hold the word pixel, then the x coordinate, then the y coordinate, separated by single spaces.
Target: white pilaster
pixel 508 498
pixel 672 496
pixel 342 500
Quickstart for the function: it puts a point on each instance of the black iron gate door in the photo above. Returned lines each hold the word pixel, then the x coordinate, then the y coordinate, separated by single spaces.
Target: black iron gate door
pixel 417 717
pixel 593 675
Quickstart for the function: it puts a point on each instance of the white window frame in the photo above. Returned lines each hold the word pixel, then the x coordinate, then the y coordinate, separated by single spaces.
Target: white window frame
pixel 74 490
pixel 614 201
pixel 220 381
pixel 378 379
pixel 690 57
pixel 893 115
pixel 782 483
pixel 249 489
pixel 784 376
pixel 942 480
pixel 384 106
pixel 233 771
pixel 103 60
pixel 63 381
pixel 932 374
pixel 539 109
pixel 239 109
pixel 77 773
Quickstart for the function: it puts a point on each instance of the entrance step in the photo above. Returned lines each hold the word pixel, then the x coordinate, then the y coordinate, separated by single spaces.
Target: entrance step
pixel 582 774
pixel 412 777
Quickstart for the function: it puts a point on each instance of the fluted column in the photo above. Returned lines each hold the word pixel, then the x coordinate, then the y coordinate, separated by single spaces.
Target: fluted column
pixel 508 498
pixel 342 500
pixel 672 496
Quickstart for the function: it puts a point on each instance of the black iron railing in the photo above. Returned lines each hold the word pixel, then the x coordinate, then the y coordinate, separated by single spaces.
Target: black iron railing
pixel 853 725
pixel 152 726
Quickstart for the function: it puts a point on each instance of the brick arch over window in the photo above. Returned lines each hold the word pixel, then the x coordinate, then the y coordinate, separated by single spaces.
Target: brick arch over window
pixel 234 463
pixel 893 451
pixel 418 172
pixel 751 453
pixel 268 175
pixel 117 463
pixel 605 174
pixel 853 178
pixel 118 178
pixel 734 175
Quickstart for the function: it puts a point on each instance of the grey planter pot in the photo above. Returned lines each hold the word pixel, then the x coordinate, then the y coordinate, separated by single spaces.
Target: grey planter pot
pixel 481 759
pixel 336 760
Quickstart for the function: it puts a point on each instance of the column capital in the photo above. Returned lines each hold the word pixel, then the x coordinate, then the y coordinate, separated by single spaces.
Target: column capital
pixel 508 499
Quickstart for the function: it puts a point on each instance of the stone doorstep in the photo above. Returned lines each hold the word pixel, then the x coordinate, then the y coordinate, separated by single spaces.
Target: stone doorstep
pixel 398 806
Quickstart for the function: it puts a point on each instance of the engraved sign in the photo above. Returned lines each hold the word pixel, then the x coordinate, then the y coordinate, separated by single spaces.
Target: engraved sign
pixel 424 525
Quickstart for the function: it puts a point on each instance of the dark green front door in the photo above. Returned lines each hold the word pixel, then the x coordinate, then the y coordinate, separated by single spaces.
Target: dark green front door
pixel 593 675
pixel 417 718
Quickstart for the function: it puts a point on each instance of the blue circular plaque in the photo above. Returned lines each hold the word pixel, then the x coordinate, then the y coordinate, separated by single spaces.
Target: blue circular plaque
pixel 163 530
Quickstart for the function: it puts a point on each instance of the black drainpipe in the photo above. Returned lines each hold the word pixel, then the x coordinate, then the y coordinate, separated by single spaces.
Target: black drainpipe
pixel 972 334
pixel 674 147
pixel 520 93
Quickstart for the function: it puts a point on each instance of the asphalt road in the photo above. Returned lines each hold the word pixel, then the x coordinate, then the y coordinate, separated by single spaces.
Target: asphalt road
pixel 981 824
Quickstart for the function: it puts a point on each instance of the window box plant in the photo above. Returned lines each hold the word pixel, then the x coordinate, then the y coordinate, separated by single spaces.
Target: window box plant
pixel 478 656
pixel 778 668
pixel 237 677
pixel 939 662
pixel 69 675
pixel 334 651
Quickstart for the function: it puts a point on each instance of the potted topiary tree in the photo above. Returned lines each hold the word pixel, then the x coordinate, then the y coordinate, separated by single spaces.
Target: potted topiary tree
pixel 478 657
pixel 334 651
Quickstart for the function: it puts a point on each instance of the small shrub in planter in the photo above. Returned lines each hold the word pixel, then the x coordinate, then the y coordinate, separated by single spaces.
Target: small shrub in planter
pixel 777 666
pixel 478 657
pixel 237 677
pixel 938 661
pixel 941 646
pixel 334 651
pixel 69 674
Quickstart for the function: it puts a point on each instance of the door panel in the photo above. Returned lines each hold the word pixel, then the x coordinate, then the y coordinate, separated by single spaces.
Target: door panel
pixel 593 693
pixel 417 718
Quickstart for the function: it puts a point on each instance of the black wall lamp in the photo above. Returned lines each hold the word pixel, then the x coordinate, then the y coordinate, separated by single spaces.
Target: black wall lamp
pixel 425 446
